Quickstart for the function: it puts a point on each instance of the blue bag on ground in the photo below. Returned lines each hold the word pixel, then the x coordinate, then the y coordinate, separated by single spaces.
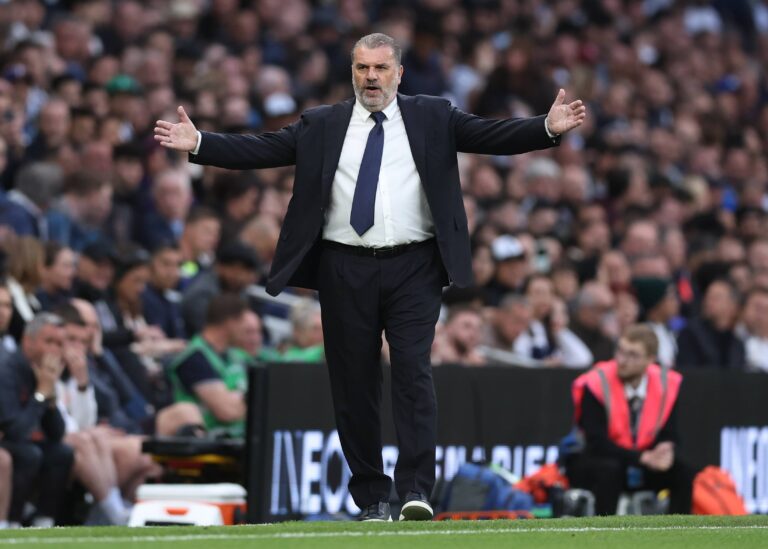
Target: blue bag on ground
pixel 479 488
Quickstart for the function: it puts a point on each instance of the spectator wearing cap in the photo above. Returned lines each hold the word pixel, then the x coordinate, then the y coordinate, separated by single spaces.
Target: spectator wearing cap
pixel 81 213
pixel 198 243
pixel 236 268
pixel 23 209
pixel 161 299
pixel 172 200
pixel 57 276
pixel 512 268
pixel 659 305
pixel 710 341
pixel 594 321
pixel 124 97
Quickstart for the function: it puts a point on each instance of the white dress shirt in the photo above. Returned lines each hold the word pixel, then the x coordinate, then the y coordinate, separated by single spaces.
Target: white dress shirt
pixel 401 212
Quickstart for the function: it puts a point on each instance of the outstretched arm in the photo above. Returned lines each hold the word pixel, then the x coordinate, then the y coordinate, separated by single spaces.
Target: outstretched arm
pixel 516 135
pixel 233 151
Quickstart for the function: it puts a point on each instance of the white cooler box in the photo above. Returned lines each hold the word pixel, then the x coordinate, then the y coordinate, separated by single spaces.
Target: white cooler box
pixel 194 504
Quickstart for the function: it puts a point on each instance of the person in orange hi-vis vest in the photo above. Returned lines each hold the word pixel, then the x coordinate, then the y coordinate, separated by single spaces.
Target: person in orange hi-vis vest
pixel 626 410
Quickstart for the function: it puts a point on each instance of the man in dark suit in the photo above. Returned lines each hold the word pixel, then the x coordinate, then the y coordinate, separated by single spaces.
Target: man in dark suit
pixel 377 225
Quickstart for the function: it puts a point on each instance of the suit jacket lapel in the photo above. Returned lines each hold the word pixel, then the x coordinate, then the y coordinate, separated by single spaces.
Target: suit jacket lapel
pixel 335 130
pixel 413 119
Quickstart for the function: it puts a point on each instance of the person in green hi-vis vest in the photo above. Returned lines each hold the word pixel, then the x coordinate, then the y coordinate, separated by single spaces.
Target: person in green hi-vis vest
pixel 212 372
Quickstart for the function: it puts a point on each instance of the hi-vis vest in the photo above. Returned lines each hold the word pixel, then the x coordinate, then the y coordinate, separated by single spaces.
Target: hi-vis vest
pixel 603 381
pixel 232 368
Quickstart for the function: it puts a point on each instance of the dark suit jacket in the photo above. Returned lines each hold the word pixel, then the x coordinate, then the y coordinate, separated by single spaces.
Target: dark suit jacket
pixel 699 345
pixel 21 415
pixel 436 132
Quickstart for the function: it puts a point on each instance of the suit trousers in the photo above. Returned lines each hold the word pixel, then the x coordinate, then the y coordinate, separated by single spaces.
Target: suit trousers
pixel 46 464
pixel 361 296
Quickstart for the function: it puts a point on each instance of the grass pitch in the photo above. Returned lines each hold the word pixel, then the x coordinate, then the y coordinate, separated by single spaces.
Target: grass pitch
pixel 593 533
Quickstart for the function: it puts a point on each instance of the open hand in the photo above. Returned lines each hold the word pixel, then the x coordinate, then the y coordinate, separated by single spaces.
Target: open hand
pixel 562 117
pixel 179 137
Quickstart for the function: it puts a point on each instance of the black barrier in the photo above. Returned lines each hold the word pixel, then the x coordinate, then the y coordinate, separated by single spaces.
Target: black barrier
pixel 256 443
pixel 511 416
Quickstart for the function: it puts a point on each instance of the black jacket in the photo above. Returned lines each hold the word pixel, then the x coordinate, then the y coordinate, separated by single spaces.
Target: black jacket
pixel 700 345
pixel 436 132
pixel 20 414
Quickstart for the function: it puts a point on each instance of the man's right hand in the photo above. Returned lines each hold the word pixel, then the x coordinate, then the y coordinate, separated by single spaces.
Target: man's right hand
pixel 179 137
pixel 47 373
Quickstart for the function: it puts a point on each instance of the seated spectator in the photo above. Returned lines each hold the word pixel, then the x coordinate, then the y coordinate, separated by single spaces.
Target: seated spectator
pixel 23 209
pixel 211 372
pixel 25 259
pixel 709 340
pixel 754 329
pixel 129 335
pixel 79 217
pixel 160 299
pixel 95 271
pixel 32 426
pixel 460 338
pixel 658 299
pixel 94 465
pixel 631 430
pixel 506 324
pixel 306 343
pixel 236 268
pixel 198 243
pixel 262 233
pixel 172 199
pixel 57 276
pixel 547 338
pixel 121 405
pixel 593 320
pixel 250 338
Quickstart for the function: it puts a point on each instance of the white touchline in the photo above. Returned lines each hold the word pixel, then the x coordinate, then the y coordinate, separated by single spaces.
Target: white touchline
pixel 350 534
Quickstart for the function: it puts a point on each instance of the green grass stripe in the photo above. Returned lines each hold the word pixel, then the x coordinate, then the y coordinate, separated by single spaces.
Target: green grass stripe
pixel 603 532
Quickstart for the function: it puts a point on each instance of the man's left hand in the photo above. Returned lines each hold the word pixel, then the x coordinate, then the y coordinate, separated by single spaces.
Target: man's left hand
pixel 562 117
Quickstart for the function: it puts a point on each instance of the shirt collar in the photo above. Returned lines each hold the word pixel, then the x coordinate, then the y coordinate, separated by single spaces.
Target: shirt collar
pixel 640 391
pixel 361 113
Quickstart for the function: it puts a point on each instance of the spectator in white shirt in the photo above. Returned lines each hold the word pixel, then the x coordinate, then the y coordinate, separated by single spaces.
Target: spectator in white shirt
pixel 754 329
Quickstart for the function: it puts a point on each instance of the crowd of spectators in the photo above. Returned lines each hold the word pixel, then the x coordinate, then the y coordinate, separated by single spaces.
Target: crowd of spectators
pixel 130 273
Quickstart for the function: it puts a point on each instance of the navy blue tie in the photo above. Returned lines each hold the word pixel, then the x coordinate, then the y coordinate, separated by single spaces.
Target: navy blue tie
pixel 364 200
